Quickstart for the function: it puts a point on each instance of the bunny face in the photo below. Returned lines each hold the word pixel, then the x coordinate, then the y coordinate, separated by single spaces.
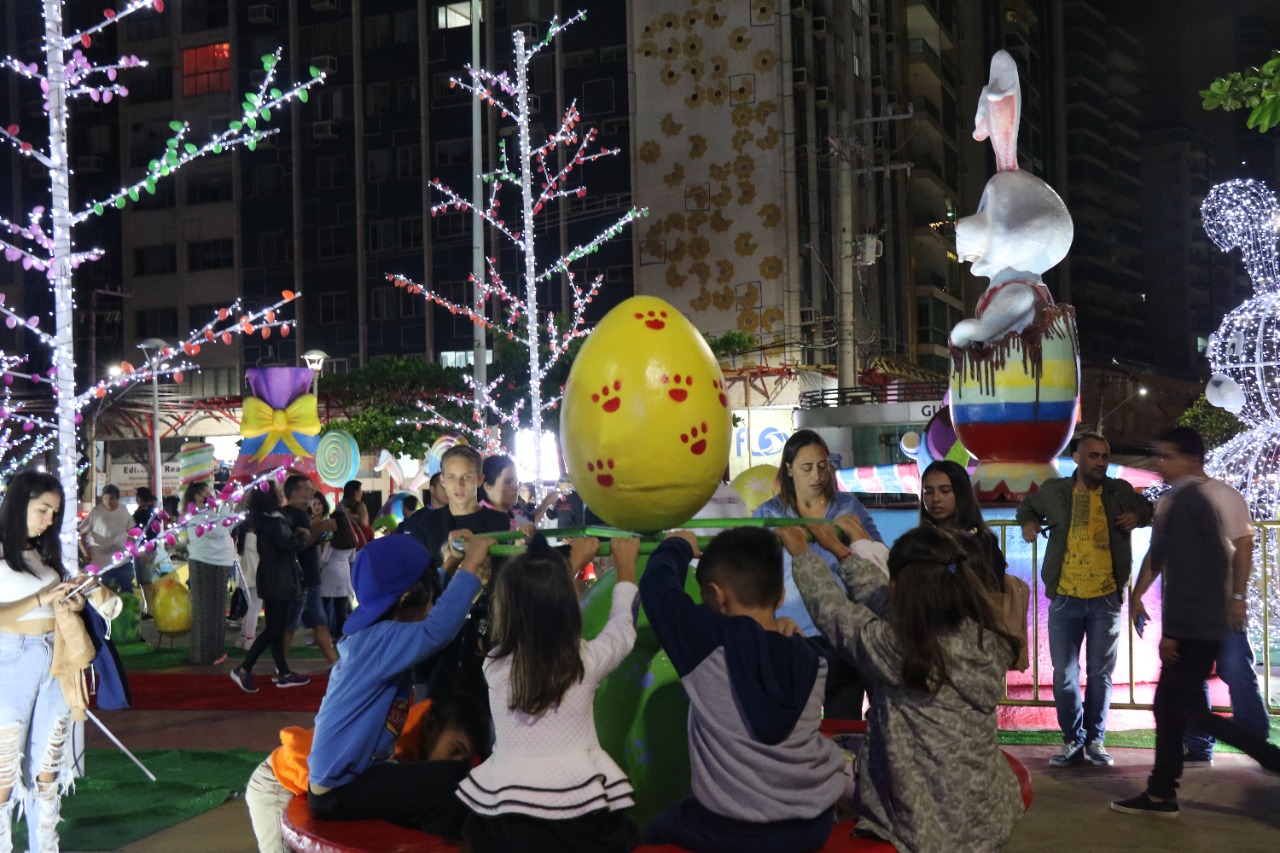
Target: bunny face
pixel 1021 228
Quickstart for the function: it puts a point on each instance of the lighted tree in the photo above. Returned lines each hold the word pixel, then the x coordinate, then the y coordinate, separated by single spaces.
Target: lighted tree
pixel 533 179
pixel 41 239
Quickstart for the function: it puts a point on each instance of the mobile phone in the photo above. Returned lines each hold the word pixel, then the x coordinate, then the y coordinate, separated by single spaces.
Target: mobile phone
pixel 1140 624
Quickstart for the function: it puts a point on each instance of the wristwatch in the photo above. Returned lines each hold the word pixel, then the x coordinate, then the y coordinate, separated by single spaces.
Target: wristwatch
pixel 1235 596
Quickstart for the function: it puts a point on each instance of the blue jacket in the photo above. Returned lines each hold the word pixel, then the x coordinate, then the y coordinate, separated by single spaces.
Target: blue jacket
pixel 844 504
pixel 367 702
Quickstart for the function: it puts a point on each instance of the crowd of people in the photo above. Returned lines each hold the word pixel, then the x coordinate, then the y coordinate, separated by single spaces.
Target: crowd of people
pixel 796 622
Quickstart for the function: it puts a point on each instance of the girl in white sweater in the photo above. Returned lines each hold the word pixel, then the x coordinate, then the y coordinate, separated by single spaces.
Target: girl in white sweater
pixel 549 785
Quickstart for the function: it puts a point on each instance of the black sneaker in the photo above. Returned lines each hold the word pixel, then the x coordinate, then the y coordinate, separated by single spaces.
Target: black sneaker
pixel 1142 804
pixel 292 680
pixel 244 680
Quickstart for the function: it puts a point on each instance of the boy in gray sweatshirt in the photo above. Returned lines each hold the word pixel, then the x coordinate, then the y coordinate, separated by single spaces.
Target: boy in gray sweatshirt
pixel 763 778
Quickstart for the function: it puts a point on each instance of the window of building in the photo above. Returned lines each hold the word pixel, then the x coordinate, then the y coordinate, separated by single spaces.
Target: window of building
pixel 268 180
pixel 377 32
pixel 597 97
pixel 451 16
pixel 382 235
pixel 453 152
pixel 407 95
pixel 412 304
pixel 411 232
pixel 152 83
pixel 210 254
pixel 332 241
pixel 332 307
pixel 206 70
pixel 203 15
pixel 377 99
pixel 381 165
pixel 271 247
pixel 382 306
pixel 165 196
pixel 463 358
pixel 409 161
pixel 146 26
pixel 406 27
pixel 155 260
pixel 449 223
pixel 156 323
pixel 330 172
pixel 209 188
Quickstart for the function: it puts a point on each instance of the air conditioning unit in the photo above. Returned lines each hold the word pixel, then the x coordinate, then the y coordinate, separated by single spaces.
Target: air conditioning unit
pixel 877 83
pixel 875 21
pixel 820 27
pixel 324 130
pixel 891 41
pixel 89 165
pixel 800 7
pixel 326 63
pixel 530 31
pixel 535 104
pixel 262 13
pixel 891 101
pixel 324 5
pixel 800 78
pixel 821 97
pixel 808 317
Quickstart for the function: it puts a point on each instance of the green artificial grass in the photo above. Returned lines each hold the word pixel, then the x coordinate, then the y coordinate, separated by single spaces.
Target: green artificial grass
pixel 1134 739
pixel 143 657
pixel 114 804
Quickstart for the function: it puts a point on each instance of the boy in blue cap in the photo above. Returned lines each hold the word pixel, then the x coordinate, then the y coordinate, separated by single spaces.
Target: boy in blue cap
pixel 365 707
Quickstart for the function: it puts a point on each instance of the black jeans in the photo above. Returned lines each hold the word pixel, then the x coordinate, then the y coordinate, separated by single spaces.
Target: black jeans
pixel 420 795
pixel 1180 699
pixel 276 612
pixel 842 699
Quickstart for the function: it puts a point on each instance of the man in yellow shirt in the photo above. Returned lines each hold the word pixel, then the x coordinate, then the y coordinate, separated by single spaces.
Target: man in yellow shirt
pixel 1086 568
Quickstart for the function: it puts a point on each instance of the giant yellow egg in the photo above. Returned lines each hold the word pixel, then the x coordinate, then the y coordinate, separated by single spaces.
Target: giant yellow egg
pixel 645 427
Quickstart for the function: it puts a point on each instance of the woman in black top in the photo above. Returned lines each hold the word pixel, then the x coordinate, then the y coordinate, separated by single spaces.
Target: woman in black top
pixel 279 584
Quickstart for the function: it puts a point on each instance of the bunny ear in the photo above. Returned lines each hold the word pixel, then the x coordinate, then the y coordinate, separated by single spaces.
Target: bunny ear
pixel 999 110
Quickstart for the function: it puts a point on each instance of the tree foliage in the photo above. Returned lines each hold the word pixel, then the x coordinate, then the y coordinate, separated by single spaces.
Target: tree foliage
pixel 381 396
pixel 1257 89
pixel 1218 426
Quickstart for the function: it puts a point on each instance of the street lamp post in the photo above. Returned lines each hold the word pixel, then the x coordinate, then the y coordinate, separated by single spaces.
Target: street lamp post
pixel 152 347
pixel 315 359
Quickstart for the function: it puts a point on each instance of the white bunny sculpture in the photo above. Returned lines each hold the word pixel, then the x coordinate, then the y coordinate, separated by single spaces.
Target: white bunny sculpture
pixel 1015 367
pixel 1021 228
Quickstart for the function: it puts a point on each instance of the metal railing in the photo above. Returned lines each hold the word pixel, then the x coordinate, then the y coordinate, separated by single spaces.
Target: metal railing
pixel 1266 557
pixel 897 392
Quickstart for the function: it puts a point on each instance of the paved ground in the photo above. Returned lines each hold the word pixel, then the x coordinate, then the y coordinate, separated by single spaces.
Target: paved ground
pixel 1233 807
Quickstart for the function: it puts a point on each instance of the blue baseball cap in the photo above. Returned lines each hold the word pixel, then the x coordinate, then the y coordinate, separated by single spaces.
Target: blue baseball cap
pixel 384 570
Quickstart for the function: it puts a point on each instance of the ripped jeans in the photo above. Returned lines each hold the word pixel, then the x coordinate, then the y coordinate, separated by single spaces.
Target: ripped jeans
pixel 34 727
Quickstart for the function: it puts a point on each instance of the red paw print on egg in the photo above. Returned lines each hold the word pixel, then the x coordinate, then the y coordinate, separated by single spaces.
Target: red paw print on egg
pixel 653 319
pixel 604 479
pixel 610 398
pixel 680 393
pixel 716 384
pixel 698 445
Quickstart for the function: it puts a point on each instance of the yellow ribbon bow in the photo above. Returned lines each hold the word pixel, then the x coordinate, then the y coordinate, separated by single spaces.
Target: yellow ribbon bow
pixel 280 425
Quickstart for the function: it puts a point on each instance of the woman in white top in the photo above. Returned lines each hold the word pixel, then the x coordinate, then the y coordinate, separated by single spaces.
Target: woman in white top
pixel 337 555
pixel 35 721
pixel 210 558
pixel 549 785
